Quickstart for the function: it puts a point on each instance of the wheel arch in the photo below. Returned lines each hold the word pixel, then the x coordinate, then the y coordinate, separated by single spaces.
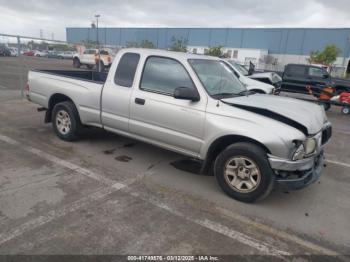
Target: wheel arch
pixel 219 144
pixel 54 100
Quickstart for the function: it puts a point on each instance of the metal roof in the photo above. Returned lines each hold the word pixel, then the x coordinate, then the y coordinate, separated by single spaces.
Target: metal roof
pixel 293 41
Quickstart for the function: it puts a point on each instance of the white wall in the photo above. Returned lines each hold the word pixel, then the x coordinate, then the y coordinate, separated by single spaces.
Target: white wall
pixel 241 55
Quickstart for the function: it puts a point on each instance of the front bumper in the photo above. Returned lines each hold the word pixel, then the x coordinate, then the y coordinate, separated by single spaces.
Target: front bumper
pixel 295 175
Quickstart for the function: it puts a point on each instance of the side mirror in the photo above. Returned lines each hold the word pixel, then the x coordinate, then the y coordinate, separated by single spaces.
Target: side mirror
pixel 186 93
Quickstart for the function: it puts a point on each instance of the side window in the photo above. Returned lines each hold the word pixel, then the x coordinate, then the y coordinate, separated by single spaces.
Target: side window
pixel 163 75
pixel 86 51
pixel 124 76
pixel 316 72
pixel 296 70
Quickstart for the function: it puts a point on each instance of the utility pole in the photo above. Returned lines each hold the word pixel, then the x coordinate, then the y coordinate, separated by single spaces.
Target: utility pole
pixel 98 43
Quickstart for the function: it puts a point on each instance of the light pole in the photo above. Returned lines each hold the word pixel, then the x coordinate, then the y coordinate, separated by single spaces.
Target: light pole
pixel 98 43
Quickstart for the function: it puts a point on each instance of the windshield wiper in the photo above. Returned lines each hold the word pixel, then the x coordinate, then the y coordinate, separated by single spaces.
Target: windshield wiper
pixel 221 95
pixel 245 92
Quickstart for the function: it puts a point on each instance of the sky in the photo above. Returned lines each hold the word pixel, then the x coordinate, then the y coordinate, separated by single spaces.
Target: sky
pixel 28 17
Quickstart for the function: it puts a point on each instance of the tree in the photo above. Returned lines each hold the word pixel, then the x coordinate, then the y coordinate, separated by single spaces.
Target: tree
pixel 216 51
pixel 142 44
pixel 326 57
pixel 178 45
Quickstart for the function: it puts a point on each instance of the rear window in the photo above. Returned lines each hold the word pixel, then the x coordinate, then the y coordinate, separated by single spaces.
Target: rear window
pixel 104 52
pixel 126 69
pixel 295 70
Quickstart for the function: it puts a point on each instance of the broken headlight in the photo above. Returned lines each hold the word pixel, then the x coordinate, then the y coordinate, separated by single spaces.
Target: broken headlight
pixel 305 148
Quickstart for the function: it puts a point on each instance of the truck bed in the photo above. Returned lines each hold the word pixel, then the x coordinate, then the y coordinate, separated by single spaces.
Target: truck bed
pixel 87 75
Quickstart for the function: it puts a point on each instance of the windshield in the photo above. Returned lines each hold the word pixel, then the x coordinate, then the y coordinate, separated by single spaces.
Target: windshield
pixel 239 67
pixel 217 78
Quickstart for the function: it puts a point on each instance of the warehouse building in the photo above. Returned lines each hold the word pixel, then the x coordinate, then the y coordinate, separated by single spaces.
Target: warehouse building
pixel 267 48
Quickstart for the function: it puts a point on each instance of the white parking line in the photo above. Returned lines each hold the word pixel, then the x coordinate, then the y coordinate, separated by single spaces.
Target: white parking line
pixel 61 162
pixel 221 229
pixel 3 87
pixel 54 214
pixel 338 163
pixel 112 187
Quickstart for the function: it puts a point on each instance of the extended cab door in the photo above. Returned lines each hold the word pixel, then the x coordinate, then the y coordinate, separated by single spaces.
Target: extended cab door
pixel 160 118
pixel 295 78
pixel 318 77
pixel 117 92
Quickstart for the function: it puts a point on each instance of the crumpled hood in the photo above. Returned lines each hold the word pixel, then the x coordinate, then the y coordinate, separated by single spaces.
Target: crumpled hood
pixel 275 78
pixel 299 114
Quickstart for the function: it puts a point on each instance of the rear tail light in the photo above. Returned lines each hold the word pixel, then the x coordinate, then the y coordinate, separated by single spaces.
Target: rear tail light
pixel 26 88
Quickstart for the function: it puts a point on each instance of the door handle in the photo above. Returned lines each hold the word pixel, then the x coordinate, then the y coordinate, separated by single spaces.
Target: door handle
pixel 140 101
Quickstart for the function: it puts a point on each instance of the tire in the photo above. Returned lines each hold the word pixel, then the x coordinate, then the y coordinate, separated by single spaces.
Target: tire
pixel 76 63
pixel 90 66
pixel 345 110
pixel 243 157
pixel 66 112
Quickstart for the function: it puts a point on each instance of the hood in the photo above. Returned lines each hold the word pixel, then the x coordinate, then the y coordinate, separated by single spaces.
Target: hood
pixel 274 77
pixel 255 84
pixel 305 116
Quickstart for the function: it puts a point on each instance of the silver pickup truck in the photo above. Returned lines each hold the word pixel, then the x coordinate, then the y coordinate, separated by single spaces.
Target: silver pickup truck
pixel 196 106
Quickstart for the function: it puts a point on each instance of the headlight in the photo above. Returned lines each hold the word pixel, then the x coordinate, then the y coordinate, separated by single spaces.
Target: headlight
pixel 305 148
pixel 310 145
pixel 299 154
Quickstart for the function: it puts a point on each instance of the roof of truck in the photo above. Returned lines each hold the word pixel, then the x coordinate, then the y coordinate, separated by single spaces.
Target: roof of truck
pixel 173 54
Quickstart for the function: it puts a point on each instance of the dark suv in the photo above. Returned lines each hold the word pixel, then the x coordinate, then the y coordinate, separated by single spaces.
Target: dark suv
pixel 297 77
pixel 4 51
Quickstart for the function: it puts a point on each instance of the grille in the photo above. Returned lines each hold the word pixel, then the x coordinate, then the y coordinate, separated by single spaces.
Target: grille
pixel 326 134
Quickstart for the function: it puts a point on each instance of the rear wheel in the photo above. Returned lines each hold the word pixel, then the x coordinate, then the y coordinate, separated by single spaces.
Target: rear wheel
pixel 345 110
pixel 66 122
pixel 76 63
pixel 243 172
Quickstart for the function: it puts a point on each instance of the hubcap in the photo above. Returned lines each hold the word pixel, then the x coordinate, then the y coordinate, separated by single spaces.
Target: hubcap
pixel 63 122
pixel 242 174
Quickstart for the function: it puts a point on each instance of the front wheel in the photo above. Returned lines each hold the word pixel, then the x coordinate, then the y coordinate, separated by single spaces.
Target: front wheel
pixel 244 173
pixel 66 122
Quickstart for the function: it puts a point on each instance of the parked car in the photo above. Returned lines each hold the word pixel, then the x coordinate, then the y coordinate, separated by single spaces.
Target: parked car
pixel 54 54
pixel 28 53
pixel 91 58
pixel 39 53
pixel 270 78
pixel 4 51
pixel 66 55
pixel 252 85
pixel 14 51
pixel 196 106
pixel 299 78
